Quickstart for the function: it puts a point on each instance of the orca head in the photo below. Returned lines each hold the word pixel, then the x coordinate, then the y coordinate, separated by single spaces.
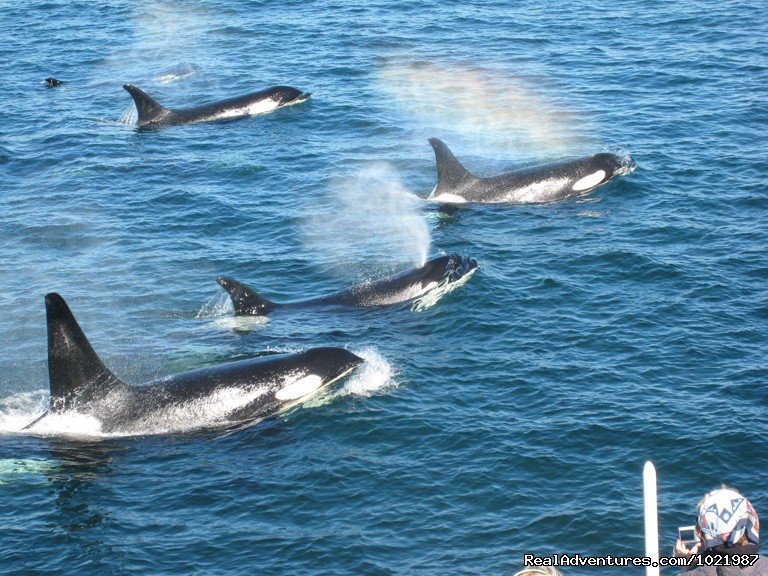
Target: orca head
pixel 599 169
pixel 611 164
pixel 288 95
pixel 330 363
pixel 314 369
pixel 448 269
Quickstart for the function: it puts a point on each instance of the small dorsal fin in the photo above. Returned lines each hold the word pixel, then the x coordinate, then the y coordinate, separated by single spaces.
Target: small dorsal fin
pixel 452 177
pixel 150 112
pixel 76 374
pixel 245 299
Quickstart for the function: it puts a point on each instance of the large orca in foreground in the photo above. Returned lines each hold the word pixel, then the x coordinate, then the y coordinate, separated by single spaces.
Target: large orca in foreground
pixel 438 276
pixel 153 114
pixel 456 185
pixel 223 396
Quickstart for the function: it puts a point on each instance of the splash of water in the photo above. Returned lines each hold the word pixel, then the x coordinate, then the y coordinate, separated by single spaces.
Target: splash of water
pixel 368 221
pixel 221 313
pixel 130 115
pixel 218 305
pixel 18 410
pixel 69 425
pixel 375 375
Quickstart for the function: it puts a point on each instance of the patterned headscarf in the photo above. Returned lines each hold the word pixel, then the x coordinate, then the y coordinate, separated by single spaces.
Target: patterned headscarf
pixel 724 516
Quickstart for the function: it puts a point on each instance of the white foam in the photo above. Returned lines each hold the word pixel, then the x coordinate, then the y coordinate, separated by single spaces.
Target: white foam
pixel 449 199
pixel 240 323
pixel 589 181
pixel 374 375
pixel 19 410
pixel 68 424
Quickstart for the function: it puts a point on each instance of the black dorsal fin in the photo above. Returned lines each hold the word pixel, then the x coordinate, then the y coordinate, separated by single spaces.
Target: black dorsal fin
pixel 245 299
pixel 452 177
pixel 150 112
pixel 76 374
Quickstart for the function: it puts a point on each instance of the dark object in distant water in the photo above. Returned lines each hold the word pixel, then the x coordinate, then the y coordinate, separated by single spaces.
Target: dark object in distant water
pixel 153 114
pixel 437 277
pixel 229 395
pixel 456 185
pixel 53 82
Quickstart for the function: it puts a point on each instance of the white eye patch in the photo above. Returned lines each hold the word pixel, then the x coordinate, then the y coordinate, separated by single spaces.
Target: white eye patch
pixel 589 181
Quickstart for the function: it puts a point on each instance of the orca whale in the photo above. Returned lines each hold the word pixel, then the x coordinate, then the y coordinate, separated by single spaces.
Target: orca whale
pixel 53 82
pixel 153 114
pixel 435 278
pixel 546 183
pixel 235 394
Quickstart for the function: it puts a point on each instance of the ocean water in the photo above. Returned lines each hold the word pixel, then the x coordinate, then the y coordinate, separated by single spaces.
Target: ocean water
pixel 515 414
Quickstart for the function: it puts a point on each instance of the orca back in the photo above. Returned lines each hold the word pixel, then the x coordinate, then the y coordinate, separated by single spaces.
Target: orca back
pixel 452 177
pixel 77 376
pixel 150 112
pixel 245 299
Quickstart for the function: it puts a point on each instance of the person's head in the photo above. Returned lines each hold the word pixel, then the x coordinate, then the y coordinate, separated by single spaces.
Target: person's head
pixel 538 571
pixel 726 518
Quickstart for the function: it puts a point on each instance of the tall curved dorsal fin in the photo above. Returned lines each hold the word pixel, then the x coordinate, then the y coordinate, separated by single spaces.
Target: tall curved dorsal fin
pixel 452 177
pixel 76 374
pixel 245 299
pixel 150 112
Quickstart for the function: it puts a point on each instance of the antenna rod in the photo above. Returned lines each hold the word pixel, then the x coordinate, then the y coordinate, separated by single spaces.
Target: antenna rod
pixel 651 518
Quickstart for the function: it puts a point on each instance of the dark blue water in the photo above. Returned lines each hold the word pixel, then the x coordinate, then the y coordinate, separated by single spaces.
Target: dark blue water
pixel 514 415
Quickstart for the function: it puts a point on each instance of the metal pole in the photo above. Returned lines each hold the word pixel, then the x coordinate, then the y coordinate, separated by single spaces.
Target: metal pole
pixel 651 518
